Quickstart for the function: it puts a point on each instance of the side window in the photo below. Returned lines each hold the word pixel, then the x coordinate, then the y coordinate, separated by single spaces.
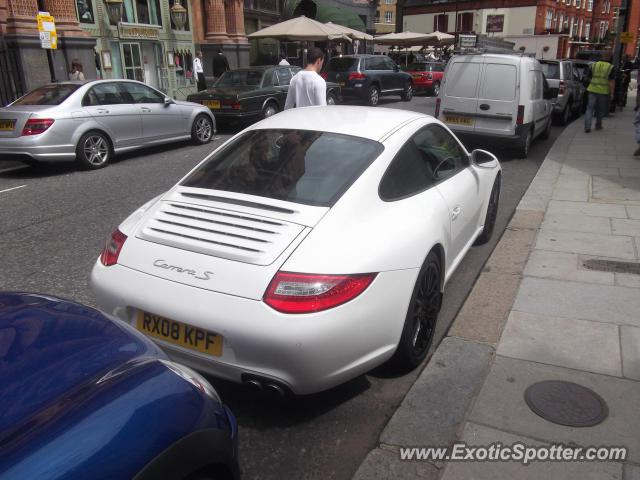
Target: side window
pixel 270 79
pixel 104 94
pixel 284 76
pixel 375 63
pixel 389 64
pixel 141 93
pixel 430 156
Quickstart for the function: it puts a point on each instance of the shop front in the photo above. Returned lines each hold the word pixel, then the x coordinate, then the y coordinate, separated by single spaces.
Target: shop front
pixel 144 43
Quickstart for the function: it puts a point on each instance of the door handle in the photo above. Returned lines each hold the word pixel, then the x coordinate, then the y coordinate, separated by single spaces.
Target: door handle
pixel 484 106
pixel 146 110
pixel 103 110
pixel 455 213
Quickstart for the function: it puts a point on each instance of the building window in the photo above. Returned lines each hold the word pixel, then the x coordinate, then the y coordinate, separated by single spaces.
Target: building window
pixel 388 2
pixel 560 21
pixel 587 30
pixel 388 17
pixel 84 10
pixel 142 11
pixel 465 22
pixel 589 5
pixel 580 28
pixel 548 20
pixel 441 23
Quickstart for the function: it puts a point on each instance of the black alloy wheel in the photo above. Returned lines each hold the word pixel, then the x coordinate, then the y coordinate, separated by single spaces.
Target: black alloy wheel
pixel 422 315
pixel 492 214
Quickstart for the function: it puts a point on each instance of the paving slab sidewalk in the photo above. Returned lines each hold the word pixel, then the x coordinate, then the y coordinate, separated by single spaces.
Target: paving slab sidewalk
pixel 537 312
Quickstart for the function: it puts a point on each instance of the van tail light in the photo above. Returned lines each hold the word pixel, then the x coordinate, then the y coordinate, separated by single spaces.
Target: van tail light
pixel 561 88
pixel 109 255
pixel 437 107
pixel 520 117
pixel 36 126
pixel 357 76
pixel 308 293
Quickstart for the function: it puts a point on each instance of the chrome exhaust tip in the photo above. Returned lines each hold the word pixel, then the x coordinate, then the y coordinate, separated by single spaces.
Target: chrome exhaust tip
pixel 254 385
pixel 274 390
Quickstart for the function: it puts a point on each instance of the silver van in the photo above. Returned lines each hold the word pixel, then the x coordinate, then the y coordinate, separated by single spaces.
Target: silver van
pixel 493 97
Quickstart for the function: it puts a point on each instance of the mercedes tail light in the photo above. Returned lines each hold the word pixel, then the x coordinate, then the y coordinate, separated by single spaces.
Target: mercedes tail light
pixel 520 117
pixel 36 126
pixel 308 293
pixel 437 107
pixel 357 76
pixel 109 255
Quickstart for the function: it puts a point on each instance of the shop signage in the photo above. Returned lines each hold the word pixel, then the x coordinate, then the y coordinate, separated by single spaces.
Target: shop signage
pixel 132 31
pixel 47 30
pixel 626 37
pixel 495 23
pixel 466 41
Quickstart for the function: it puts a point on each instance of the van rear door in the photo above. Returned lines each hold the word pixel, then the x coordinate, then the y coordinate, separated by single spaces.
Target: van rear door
pixel 460 96
pixel 497 104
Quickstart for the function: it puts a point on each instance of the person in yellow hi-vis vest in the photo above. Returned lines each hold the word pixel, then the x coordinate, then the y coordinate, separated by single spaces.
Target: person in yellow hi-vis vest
pixel 601 88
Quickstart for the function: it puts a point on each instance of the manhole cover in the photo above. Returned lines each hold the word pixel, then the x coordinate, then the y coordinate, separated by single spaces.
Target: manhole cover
pixel 612 266
pixel 566 403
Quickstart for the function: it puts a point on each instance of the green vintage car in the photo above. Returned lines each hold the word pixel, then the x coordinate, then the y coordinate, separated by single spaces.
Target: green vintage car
pixel 253 93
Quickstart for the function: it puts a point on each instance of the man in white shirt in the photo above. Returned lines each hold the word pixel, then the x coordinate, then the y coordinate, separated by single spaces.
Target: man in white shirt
pixel 283 61
pixel 307 87
pixel 198 71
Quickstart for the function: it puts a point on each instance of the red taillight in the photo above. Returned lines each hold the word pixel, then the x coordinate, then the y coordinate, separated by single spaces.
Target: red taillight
pixel 308 293
pixel 561 88
pixel 520 117
pixel 437 107
pixel 324 75
pixel 357 76
pixel 233 104
pixel 36 126
pixel 109 255
pixel 429 76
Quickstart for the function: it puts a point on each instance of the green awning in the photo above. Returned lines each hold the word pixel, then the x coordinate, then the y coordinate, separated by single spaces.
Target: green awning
pixel 329 13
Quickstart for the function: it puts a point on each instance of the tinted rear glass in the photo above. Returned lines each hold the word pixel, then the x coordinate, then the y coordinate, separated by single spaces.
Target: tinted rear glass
pixel 343 64
pixel 551 70
pixel 301 166
pixel 48 95
pixel 240 78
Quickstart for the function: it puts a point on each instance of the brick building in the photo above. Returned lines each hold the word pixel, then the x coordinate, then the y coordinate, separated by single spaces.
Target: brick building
pixel 573 24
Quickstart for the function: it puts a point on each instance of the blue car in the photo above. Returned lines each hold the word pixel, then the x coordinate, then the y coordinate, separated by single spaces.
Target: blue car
pixel 84 396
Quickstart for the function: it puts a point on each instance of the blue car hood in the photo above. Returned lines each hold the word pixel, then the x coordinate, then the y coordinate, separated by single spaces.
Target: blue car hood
pixel 50 348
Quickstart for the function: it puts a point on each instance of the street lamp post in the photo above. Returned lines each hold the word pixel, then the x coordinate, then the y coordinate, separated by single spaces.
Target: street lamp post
pixel 178 15
pixel 114 10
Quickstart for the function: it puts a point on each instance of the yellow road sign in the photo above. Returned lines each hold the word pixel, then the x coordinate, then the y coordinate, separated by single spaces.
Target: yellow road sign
pixel 626 37
pixel 47 30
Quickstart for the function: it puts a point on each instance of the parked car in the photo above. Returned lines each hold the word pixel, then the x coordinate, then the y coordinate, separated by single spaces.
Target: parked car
pixel 582 67
pixel 427 76
pixel 92 121
pixel 87 396
pixel 368 77
pixel 496 98
pixel 306 231
pixel 562 75
pixel 253 93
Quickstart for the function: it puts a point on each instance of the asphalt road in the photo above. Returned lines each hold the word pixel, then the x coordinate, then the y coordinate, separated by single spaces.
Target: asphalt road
pixel 55 220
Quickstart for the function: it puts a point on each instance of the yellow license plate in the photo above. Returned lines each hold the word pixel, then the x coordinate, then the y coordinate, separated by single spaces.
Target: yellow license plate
pixel 179 333
pixel 7 125
pixel 416 75
pixel 212 103
pixel 459 120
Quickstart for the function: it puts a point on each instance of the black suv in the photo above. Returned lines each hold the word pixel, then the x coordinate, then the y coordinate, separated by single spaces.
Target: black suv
pixel 367 77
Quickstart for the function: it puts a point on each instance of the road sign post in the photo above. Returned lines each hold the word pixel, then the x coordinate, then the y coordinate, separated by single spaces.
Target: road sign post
pixel 48 29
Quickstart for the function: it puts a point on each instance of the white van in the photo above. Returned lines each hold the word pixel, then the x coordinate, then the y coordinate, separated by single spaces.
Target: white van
pixel 496 97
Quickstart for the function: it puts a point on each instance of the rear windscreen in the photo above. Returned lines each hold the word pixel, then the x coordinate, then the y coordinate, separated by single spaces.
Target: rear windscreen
pixel 343 64
pixel 551 70
pixel 48 95
pixel 301 166
pixel 462 80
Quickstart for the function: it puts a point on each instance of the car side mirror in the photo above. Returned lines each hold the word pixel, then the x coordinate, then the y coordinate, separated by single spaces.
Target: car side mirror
pixel 484 159
pixel 168 101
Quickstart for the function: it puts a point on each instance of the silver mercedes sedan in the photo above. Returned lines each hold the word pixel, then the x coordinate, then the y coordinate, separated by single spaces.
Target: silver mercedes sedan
pixel 91 121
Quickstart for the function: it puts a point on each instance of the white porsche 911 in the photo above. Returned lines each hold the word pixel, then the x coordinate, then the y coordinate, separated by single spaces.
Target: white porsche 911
pixel 306 250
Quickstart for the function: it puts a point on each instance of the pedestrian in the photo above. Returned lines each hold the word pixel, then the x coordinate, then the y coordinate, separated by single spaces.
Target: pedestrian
pixel 307 88
pixel 198 72
pixel 220 64
pixel 601 88
pixel 76 70
pixel 283 60
pixel 636 121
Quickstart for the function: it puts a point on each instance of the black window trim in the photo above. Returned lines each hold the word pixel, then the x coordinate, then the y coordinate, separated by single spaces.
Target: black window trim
pixel 115 82
pixel 435 182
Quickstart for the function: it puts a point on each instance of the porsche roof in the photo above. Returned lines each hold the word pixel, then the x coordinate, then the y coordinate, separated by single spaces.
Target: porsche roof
pixel 366 122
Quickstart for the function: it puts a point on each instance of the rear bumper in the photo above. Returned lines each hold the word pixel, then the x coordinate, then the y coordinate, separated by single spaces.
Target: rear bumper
pixel 307 353
pixel 34 148
pixel 506 140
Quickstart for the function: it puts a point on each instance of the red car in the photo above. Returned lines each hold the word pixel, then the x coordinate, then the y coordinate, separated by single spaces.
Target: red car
pixel 427 76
